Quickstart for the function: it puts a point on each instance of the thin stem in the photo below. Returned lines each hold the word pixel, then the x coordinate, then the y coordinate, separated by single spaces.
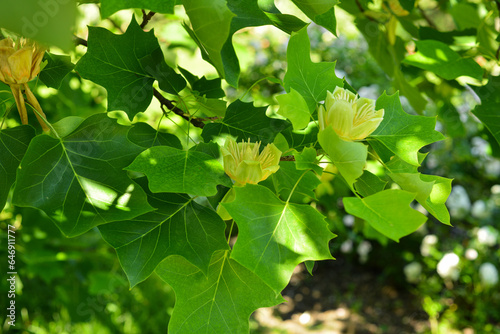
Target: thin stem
pixel 230 231
pixel 45 121
pixel 252 86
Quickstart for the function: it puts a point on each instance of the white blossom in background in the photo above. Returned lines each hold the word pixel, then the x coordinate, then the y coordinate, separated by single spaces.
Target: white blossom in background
pixel 412 272
pixel 488 274
pixel 492 167
pixel 363 250
pixel 487 235
pixel 348 220
pixel 480 210
pixel 448 266
pixel 346 246
pixel 428 243
pixel 480 147
pixel 471 254
pixel 458 202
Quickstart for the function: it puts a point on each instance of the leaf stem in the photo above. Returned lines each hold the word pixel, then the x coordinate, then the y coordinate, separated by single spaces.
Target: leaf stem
pixel 230 231
pixel 45 121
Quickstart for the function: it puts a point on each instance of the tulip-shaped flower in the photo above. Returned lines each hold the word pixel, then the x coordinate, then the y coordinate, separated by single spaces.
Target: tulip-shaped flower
pixel 351 117
pixel 244 164
pixel 20 63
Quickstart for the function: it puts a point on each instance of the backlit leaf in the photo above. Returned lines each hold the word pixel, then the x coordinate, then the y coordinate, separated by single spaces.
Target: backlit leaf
pixel 223 300
pixel 275 236
pixel 388 212
pixel 178 226
pixel 79 181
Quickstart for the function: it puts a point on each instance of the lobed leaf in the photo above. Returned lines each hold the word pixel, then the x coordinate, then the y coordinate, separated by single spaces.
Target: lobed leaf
pixel 178 226
pixel 218 303
pixel 79 181
pixel 275 236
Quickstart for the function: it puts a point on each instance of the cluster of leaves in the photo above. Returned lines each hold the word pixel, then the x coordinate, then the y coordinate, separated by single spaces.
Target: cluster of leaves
pixel 154 200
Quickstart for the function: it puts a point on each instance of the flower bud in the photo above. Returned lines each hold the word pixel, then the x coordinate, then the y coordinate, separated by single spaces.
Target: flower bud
pixel 351 117
pixel 244 164
pixel 20 63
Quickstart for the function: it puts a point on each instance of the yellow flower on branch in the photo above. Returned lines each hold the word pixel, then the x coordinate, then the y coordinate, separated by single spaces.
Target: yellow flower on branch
pixel 245 164
pixel 20 63
pixel 351 117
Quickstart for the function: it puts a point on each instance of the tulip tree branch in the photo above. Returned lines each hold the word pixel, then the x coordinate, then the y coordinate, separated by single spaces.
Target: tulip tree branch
pixel 146 17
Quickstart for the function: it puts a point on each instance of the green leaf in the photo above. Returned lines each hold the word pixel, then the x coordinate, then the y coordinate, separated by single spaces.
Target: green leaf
pixel 301 138
pixel 168 80
pixel 109 7
pixel 388 212
pixel 209 88
pixel 401 133
pixel 13 145
pixel 145 136
pixel 179 226
pixel 311 80
pixel 431 192
pixel 172 170
pixel 369 184
pixel 285 22
pixel 439 58
pixel 294 185
pixel 465 16
pixel 275 236
pixel 112 61
pixel 56 69
pixel 225 298
pixel 411 92
pixel 245 121
pixel 211 20
pixel 307 159
pixel 294 107
pixel 78 181
pixel 349 157
pixel 487 111
pixel 321 12
pixel 49 22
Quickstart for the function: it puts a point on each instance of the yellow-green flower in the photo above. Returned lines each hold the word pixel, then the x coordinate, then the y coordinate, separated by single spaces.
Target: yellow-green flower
pixel 20 63
pixel 244 164
pixel 351 117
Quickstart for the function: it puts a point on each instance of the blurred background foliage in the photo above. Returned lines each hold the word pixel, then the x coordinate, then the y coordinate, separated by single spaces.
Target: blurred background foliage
pixel 76 285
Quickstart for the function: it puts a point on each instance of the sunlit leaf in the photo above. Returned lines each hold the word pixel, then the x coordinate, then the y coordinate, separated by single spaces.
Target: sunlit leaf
pixel 79 181
pixel 401 133
pixel 176 171
pixel 311 80
pixel 388 212
pixel 223 300
pixel 294 107
pixel 275 236
pixel 349 157
pixel 439 58
pixel 178 226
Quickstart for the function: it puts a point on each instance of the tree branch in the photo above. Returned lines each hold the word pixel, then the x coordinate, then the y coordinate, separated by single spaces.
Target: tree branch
pixel 79 41
pixel 170 106
pixel 146 18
